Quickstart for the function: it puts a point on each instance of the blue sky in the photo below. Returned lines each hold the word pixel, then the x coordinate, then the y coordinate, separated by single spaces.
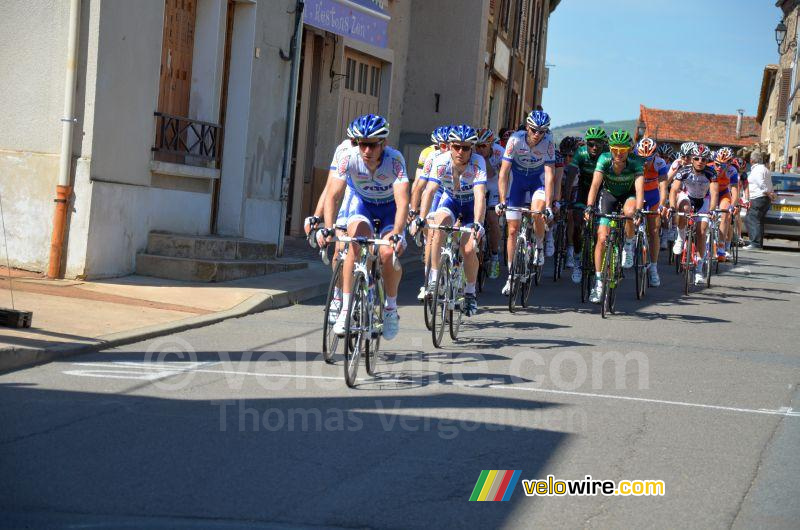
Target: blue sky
pixel 692 55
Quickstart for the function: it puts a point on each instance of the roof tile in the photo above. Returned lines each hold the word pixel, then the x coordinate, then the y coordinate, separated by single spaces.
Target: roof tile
pixel 714 129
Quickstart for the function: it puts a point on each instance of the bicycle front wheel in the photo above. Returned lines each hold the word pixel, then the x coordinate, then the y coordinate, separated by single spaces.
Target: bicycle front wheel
pixel 356 329
pixel 329 339
pixel 440 302
pixel 376 326
pixel 457 302
pixel 517 274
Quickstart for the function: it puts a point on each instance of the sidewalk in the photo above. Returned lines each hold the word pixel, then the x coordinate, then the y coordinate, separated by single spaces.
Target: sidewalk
pixel 73 316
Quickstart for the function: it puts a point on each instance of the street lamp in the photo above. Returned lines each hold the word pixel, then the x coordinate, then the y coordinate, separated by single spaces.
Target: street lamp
pixel 780 33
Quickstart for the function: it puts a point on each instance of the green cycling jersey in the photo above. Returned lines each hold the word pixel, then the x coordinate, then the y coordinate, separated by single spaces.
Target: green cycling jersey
pixel 622 184
pixel 586 166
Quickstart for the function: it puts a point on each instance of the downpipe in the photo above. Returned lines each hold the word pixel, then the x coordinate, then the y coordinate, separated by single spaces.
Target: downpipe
pixel 64 189
pixel 294 55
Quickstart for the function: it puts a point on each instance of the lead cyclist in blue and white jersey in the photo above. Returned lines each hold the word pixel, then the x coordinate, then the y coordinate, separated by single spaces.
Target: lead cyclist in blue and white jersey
pixel 492 153
pixel 695 186
pixel 376 176
pixel 461 174
pixel 528 166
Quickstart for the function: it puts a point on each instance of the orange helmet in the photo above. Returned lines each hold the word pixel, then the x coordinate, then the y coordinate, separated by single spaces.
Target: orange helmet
pixel 485 136
pixel 646 147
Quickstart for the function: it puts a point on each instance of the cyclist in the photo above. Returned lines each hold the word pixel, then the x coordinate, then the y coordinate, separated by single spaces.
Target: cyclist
pixel 741 166
pixel 439 145
pixel 312 222
pixel 529 156
pixel 586 161
pixel 621 177
pixel 681 160
pixel 376 177
pixel 492 153
pixel 567 147
pixel 461 174
pixel 695 188
pixel 666 152
pixel 655 198
pixel 728 183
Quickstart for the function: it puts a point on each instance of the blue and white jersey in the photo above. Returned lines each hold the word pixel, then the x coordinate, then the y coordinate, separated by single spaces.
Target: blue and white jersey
pixel 696 185
pixel 526 161
pixel 496 158
pixel 341 148
pixel 459 188
pixel 426 167
pixel 377 187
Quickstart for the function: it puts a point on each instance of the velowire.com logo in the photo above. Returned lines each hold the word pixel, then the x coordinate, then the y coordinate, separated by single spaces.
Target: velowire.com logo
pixel 495 485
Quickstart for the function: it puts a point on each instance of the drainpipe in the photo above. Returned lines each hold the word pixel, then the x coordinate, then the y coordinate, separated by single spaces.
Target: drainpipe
pixel 294 54
pixel 63 189
pixel 740 113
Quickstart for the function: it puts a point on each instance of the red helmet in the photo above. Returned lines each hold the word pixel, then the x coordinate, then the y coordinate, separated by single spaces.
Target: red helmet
pixel 724 155
pixel 646 147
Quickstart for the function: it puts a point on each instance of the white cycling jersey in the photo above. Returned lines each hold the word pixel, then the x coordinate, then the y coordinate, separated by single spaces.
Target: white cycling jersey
pixel 377 187
pixel 460 188
pixel 341 148
pixel 527 161
pixel 696 185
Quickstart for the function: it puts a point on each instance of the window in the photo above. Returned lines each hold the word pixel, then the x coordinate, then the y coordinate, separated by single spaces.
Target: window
pixel 363 70
pixel 350 80
pixel 375 81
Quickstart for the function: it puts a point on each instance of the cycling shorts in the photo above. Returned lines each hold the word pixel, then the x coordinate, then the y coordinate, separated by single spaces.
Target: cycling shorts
pixel 361 211
pixel 434 204
pixel 609 204
pixel 699 205
pixel 651 200
pixel 455 208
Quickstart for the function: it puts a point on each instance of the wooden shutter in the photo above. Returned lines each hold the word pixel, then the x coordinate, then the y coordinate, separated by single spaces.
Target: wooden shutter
pixel 783 93
pixel 176 57
pixel 523 28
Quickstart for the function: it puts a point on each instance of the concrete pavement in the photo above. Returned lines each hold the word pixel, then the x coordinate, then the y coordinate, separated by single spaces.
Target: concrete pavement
pixel 241 423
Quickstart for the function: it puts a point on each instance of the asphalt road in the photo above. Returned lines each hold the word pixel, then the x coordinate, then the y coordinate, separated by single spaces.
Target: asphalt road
pixel 242 425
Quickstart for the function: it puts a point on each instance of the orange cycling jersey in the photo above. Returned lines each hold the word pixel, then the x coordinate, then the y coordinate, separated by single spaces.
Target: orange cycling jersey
pixel 653 169
pixel 727 176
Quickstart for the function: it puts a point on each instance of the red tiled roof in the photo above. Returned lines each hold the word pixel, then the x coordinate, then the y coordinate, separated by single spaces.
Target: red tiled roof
pixel 712 129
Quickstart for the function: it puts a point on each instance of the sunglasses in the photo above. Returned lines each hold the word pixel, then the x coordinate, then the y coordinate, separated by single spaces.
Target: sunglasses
pixel 482 146
pixel 698 159
pixel 461 148
pixel 620 150
pixel 594 144
pixel 366 145
pixel 538 130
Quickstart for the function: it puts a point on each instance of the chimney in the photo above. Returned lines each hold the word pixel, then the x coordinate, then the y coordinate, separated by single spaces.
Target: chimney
pixel 740 113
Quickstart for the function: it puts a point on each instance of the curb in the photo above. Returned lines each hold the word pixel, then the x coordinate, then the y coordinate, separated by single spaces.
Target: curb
pixel 20 358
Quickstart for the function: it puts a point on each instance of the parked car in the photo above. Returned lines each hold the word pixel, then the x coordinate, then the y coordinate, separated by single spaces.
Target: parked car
pixel 783 218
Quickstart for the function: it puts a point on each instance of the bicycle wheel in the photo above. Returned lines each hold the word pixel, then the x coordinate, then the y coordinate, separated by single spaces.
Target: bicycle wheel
pixel 329 339
pixel 456 314
pixel 616 274
pixel 355 330
pixel 482 270
pixel 441 294
pixel 605 276
pixel 427 309
pixel 517 274
pixel 560 254
pixel 735 242
pixel 643 256
pixel 587 262
pixel 711 255
pixel 377 310
pixel 526 288
pixel 686 265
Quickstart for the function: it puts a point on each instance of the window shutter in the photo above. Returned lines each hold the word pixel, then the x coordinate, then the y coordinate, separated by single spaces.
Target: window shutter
pixel 783 93
pixel 523 29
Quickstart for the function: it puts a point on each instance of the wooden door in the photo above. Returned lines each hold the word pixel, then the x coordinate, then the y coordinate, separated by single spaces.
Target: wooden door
pixel 176 57
pixel 361 88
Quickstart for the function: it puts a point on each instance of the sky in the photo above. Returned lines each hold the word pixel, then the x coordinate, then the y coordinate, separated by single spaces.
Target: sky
pixel 609 56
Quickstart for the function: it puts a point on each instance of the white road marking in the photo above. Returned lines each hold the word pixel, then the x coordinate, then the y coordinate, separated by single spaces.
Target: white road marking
pixel 161 372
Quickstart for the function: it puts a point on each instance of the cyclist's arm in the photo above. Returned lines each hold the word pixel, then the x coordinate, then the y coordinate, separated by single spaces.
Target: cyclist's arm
pixel 480 203
pixel 401 200
pixel 734 195
pixel 597 181
pixel 673 193
pixel 549 181
pixel 427 198
pixel 334 191
pixel 502 180
pixel 559 178
pixel 714 202
pixel 638 186
pixel 663 192
pixel 416 191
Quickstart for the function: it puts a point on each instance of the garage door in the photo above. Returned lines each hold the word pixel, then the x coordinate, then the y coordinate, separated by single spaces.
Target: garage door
pixel 361 87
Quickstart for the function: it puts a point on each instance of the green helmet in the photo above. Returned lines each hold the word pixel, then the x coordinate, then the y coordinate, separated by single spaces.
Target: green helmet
pixel 596 133
pixel 620 137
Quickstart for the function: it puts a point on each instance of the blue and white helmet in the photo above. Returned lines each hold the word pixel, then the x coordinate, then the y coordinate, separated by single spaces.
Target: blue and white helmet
pixel 439 134
pixel 350 131
pixel 462 133
pixel 370 126
pixel 539 118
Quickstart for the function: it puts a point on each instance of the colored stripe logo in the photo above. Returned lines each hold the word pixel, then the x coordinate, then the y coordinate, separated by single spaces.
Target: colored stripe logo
pixel 495 485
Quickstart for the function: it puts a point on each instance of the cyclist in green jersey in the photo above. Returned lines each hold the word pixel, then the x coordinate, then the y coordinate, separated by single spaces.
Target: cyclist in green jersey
pixel 585 160
pixel 619 182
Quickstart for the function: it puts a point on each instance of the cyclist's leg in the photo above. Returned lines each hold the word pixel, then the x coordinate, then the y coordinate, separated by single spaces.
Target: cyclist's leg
pixel 429 235
pixel 445 215
pixel 516 199
pixel 469 247
pixel 537 204
pixel 653 224
pixel 607 205
pixel 701 230
pixel 725 221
